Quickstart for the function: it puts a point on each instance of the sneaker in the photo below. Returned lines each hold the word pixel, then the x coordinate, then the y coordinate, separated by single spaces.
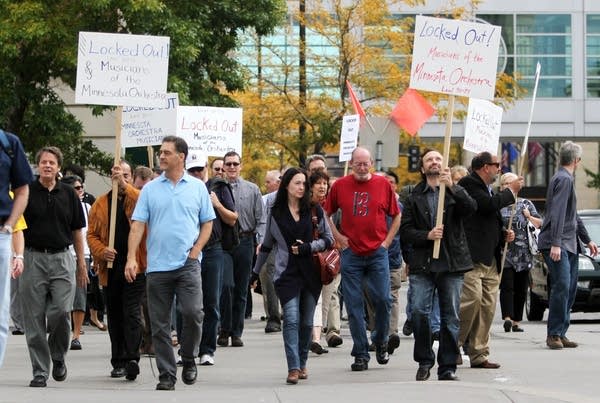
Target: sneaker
pixel 568 343
pixel 207 359
pixel 360 364
pixel 407 329
pixel 393 343
pixel 554 342
pixel 381 353
pixel 75 344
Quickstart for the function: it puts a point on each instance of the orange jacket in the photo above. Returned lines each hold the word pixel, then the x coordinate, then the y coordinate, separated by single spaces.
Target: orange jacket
pixel 97 234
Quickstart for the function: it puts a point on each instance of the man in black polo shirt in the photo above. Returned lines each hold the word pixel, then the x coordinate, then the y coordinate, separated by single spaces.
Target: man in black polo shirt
pixel 54 217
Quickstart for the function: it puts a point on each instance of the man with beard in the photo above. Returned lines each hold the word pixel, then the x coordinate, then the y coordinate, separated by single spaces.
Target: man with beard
pixel 485 236
pixel 445 274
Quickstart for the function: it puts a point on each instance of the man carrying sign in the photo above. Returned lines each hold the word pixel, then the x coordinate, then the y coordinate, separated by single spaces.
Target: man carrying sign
pixel 485 236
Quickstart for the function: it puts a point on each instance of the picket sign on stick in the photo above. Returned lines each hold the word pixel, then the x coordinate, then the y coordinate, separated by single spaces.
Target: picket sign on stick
pixel 150 157
pixel 115 184
pixel 513 211
pixel 439 220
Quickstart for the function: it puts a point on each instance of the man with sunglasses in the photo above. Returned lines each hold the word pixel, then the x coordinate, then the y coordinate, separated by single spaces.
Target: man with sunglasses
pixel 485 237
pixel 238 261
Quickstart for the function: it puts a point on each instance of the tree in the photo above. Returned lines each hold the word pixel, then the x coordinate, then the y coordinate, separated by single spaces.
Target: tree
pixel 39 55
pixel 361 41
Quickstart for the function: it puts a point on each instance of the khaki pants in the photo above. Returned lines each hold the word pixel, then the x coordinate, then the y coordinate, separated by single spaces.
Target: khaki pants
pixel 331 307
pixel 477 308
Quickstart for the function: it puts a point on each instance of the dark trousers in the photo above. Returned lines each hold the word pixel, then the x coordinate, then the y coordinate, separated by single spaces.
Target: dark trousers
pixel 123 302
pixel 212 274
pixel 236 277
pixel 513 291
pixel 162 286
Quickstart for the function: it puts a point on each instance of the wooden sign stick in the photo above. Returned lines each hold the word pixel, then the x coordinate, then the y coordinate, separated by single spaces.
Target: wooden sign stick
pixel 150 157
pixel 439 220
pixel 115 184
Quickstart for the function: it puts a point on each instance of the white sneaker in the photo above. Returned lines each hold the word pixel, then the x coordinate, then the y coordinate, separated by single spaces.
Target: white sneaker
pixel 207 359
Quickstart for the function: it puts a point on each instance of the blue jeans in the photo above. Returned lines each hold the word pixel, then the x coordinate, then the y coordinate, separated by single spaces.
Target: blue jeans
pixel 297 328
pixel 563 287
pixel 233 299
pixel 373 272
pixel 212 274
pixel 5 253
pixel 435 310
pixel 448 286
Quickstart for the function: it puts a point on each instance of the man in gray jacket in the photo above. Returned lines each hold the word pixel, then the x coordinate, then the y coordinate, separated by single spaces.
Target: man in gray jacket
pixel 559 246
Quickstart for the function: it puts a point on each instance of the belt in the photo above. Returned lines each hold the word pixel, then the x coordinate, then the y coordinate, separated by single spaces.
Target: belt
pixel 246 234
pixel 50 251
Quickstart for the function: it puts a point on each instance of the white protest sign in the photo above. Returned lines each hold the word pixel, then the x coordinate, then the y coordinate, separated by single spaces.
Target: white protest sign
pixel 349 136
pixel 482 126
pixel 147 125
pixel 455 57
pixel 212 130
pixel 120 69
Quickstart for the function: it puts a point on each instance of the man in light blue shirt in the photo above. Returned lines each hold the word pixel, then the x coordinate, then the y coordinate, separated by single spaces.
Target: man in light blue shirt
pixel 176 208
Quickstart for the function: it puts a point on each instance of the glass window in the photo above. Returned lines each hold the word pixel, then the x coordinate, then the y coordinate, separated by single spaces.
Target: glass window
pixel 538 45
pixel 544 23
pixel 592 47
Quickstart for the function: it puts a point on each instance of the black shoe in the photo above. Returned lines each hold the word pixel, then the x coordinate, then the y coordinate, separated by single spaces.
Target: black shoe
pixel 448 376
pixel 59 370
pixel 189 373
pixel 381 353
pixel 360 364
pixel 133 369
pixel 422 374
pixel 317 348
pixel 75 344
pixel 118 372
pixel 435 336
pixel 334 340
pixel 393 343
pixel 19 332
pixel 236 341
pixel 407 329
pixel 223 339
pixel 372 347
pixel 272 329
pixel 165 385
pixel 517 328
pixel 508 325
pixel 38 381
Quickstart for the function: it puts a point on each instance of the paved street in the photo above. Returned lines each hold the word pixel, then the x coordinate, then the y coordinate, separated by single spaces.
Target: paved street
pixel 256 373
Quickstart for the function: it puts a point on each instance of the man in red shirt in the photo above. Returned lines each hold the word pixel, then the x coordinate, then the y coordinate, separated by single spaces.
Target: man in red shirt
pixel 365 200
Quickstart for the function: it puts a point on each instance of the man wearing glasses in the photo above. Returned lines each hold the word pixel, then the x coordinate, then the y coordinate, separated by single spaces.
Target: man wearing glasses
pixel 238 261
pixel 486 237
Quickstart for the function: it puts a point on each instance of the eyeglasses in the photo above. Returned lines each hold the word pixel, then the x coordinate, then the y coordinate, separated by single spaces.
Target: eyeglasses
pixel 218 169
pixel 232 164
pixel 496 164
pixel 361 164
pixel 78 187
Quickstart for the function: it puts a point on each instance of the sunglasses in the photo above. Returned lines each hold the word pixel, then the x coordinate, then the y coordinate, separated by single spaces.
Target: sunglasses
pixel 496 164
pixel 218 169
pixel 232 164
pixel 78 187
pixel 196 169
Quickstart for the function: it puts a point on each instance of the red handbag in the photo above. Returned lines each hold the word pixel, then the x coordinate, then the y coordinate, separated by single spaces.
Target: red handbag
pixel 327 262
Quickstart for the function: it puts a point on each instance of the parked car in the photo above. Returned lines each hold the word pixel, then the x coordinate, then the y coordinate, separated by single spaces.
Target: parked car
pixel 587 298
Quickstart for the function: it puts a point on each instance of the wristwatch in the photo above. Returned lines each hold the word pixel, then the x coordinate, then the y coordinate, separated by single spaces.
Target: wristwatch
pixel 7 228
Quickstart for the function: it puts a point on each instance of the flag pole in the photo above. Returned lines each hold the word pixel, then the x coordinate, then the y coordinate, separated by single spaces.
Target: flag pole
pixel 522 161
pixel 442 194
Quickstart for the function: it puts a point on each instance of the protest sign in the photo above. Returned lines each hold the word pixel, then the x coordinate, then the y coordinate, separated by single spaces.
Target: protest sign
pixel 455 57
pixel 212 130
pixel 349 136
pixel 147 125
pixel 482 126
pixel 119 69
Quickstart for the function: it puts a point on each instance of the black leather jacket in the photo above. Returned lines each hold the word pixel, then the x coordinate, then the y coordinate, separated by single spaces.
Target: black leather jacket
pixel 417 250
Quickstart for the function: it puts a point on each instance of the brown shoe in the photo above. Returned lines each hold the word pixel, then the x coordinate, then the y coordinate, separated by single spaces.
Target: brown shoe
pixel 568 343
pixel 554 343
pixel 486 365
pixel 303 373
pixel 292 377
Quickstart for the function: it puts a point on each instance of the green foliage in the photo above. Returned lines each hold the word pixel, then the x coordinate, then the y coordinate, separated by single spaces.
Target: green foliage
pixel 38 57
pixel 594 181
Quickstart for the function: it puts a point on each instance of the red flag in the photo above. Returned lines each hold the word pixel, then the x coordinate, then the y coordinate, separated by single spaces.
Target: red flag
pixel 358 109
pixel 411 111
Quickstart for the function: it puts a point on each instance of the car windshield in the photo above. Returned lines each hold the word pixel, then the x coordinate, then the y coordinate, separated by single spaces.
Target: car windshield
pixel 592 224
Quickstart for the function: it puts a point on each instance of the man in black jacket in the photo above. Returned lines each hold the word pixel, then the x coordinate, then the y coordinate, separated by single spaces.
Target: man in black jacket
pixel 418 232
pixel 485 236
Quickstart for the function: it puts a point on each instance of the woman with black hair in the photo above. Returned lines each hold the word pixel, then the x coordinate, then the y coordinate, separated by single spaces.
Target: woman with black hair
pixel 297 281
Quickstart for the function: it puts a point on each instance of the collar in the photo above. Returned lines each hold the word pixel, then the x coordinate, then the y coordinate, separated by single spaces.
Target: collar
pixel 185 178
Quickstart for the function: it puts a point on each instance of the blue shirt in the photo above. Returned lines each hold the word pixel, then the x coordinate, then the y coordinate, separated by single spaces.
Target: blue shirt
pixel 174 215
pixel 14 173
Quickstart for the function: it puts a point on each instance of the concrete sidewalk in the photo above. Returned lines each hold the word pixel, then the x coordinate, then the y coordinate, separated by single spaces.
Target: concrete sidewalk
pixel 256 373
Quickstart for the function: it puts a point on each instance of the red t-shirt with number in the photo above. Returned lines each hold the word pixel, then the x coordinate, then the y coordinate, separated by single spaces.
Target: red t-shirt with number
pixel 364 206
